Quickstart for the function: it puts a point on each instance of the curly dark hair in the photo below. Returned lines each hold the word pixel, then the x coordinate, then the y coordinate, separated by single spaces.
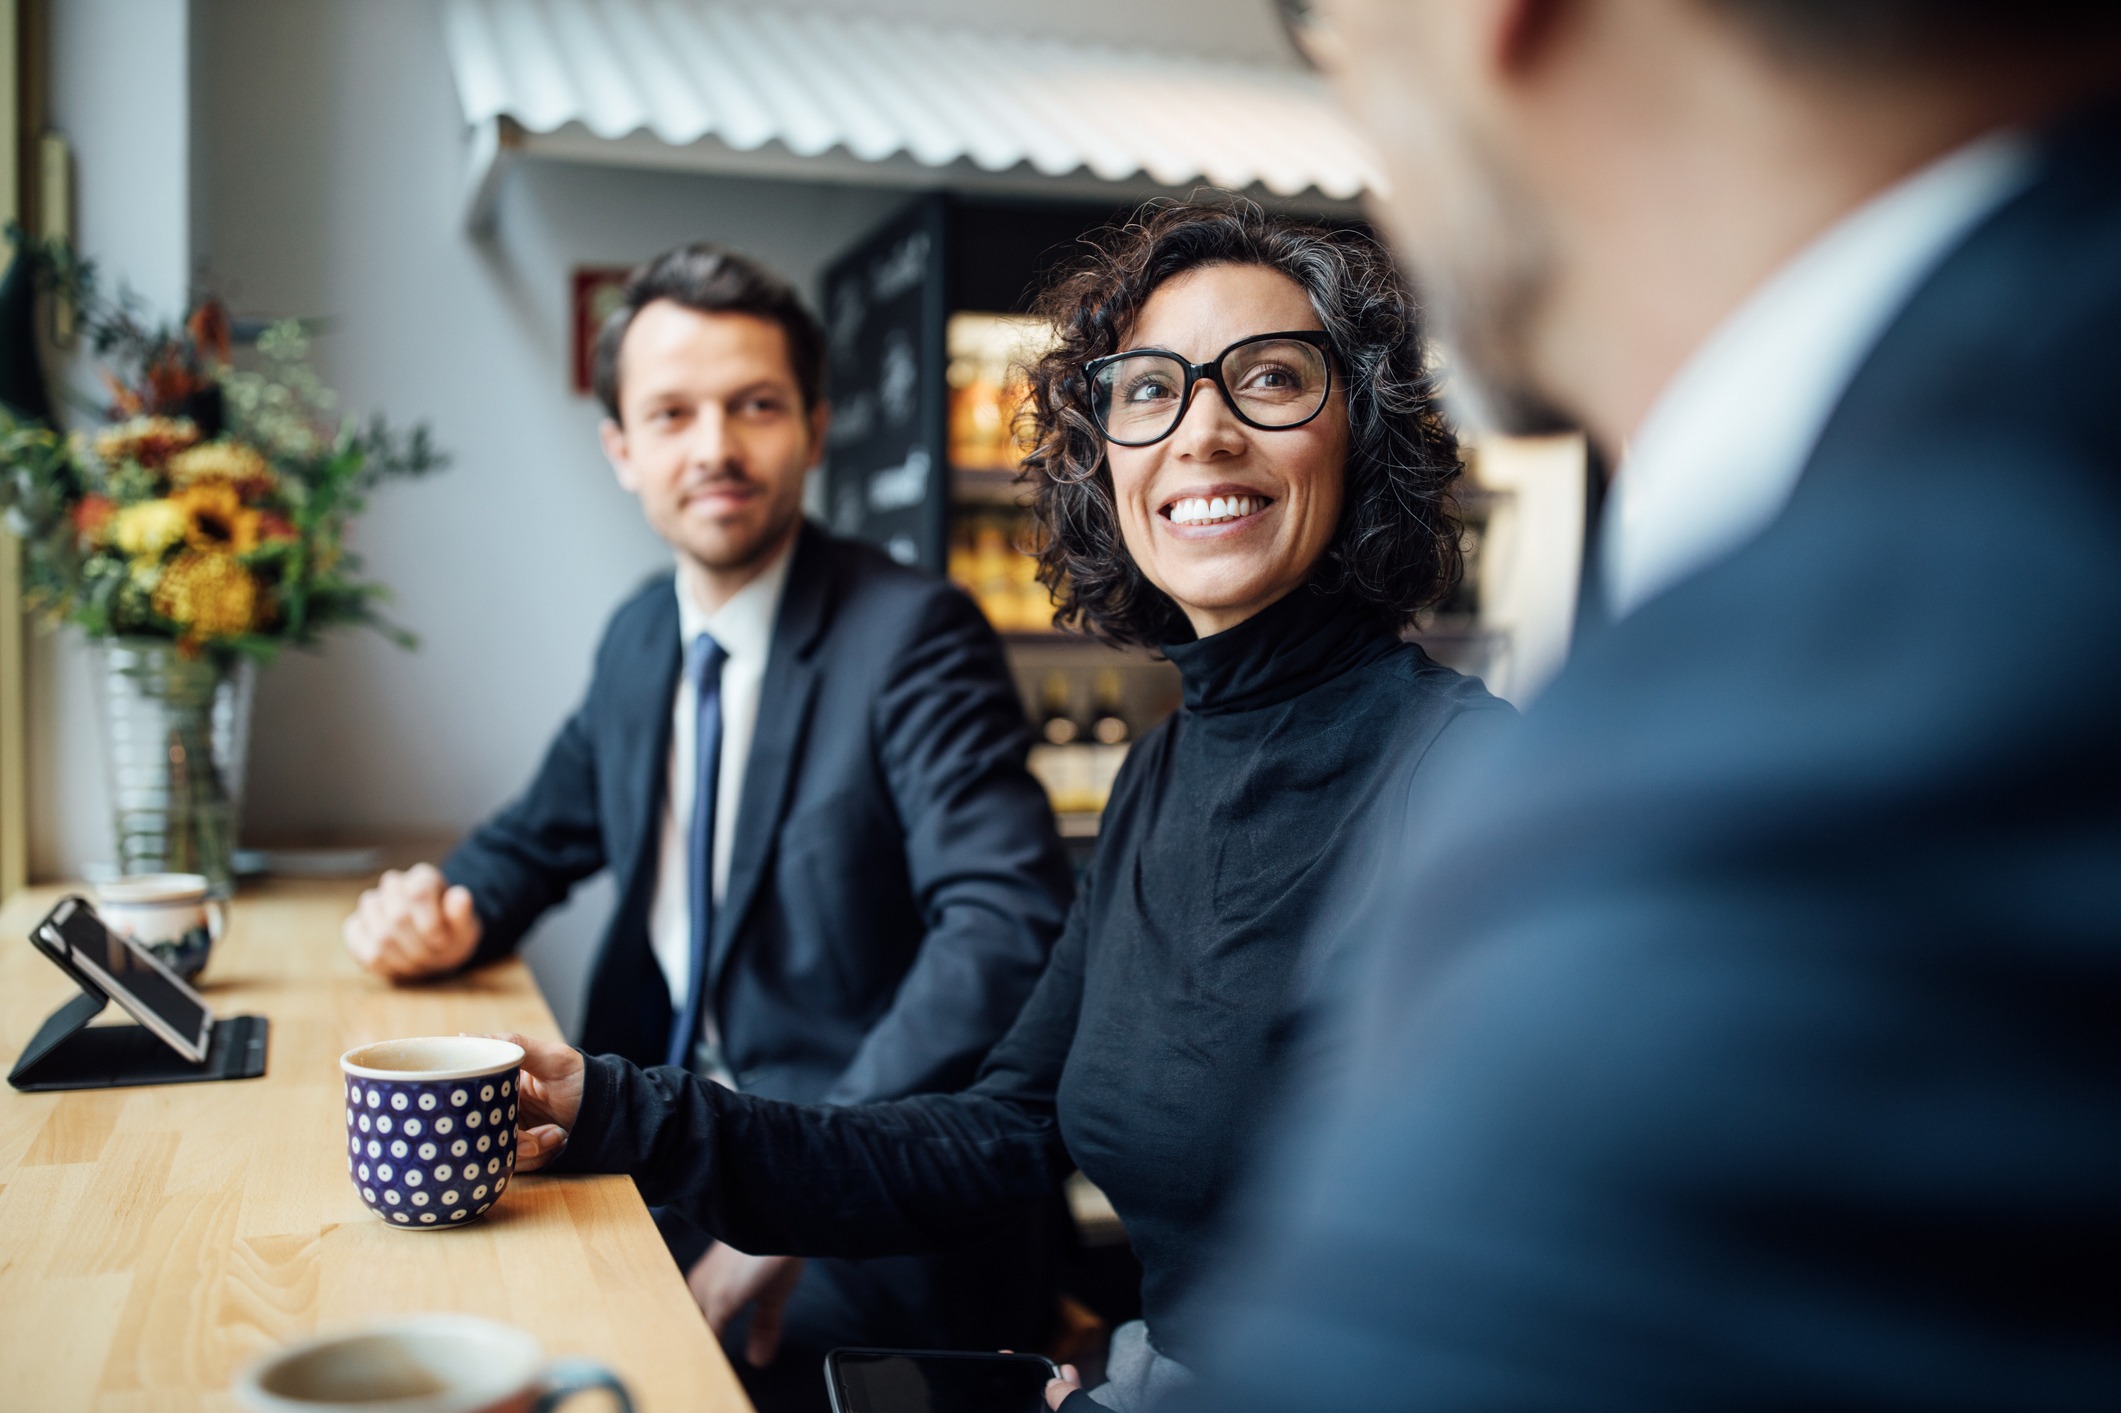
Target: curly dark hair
pixel 1397 547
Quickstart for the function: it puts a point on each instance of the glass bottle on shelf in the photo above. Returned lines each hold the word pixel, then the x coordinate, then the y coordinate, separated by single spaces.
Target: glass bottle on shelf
pixel 1108 722
pixel 978 424
pixel 989 572
pixel 1109 734
pixel 1033 602
pixel 1055 723
pixel 1063 761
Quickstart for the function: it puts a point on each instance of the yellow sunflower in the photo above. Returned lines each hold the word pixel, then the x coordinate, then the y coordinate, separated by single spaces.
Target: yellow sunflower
pixel 144 530
pixel 231 464
pixel 209 594
pixel 216 520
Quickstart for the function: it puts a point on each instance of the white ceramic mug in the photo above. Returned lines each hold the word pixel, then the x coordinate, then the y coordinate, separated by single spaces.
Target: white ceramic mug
pixel 170 914
pixel 421 1364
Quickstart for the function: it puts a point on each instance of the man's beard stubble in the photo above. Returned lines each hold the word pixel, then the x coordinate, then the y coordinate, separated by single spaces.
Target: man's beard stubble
pixel 730 553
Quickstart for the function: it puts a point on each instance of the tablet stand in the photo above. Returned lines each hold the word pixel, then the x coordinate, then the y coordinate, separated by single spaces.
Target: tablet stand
pixel 68 1053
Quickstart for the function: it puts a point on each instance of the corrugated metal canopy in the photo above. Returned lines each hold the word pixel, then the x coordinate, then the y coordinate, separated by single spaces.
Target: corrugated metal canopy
pixel 705 85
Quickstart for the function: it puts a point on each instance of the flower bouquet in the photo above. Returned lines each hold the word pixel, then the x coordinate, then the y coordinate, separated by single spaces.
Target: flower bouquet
pixel 193 534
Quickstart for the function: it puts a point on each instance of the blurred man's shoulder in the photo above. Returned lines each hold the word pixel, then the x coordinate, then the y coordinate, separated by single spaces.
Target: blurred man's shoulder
pixel 872 586
pixel 645 617
pixel 866 564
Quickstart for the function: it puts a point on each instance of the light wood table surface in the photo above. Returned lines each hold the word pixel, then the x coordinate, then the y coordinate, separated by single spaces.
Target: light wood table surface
pixel 153 1241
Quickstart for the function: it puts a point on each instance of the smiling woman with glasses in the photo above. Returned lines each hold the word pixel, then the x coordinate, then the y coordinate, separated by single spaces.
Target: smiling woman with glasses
pixel 1239 463
pixel 1213 347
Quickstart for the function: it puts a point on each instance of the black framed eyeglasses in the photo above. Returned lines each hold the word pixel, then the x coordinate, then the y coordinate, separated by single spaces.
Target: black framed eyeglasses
pixel 1273 382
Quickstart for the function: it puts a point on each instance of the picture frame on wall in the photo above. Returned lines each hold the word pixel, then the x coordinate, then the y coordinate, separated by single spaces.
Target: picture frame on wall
pixel 597 291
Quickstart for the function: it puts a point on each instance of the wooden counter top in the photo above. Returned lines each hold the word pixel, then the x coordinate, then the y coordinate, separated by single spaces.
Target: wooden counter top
pixel 153 1241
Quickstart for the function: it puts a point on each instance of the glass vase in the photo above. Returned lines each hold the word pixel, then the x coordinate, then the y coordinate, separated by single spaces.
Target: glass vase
pixel 176 735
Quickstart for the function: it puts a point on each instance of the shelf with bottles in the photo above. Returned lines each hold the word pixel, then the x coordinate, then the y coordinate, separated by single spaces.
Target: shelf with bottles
pixel 1524 504
pixel 1454 632
pixel 988 358
pixel 990 559
pixel 990 528
pixel 1086 721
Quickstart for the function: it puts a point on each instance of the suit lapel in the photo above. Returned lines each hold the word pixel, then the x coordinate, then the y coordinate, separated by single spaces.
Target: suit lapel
pixel 643 707
pixel 785 700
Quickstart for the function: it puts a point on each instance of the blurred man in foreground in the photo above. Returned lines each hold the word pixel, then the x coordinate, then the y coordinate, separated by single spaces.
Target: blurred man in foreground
pixel 1761 1047
pixel 804 765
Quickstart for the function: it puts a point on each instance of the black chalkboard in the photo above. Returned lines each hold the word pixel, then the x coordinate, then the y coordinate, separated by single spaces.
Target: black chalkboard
pixel 886 476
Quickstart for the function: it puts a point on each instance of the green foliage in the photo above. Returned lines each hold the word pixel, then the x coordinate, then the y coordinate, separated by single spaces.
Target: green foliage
pixel 213 505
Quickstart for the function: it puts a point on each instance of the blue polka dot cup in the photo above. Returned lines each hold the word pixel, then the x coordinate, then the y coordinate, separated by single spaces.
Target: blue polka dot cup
pixel 431 1127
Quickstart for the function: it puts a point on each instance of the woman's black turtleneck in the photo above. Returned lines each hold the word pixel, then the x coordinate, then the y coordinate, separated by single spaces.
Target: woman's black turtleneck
pixel 1157 1041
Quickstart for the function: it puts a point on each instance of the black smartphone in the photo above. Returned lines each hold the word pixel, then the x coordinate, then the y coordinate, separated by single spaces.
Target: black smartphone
pixel 925 1381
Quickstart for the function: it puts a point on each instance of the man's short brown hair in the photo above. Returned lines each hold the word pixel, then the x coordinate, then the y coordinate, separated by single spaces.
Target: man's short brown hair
pixel 1888 31
pixel 713 281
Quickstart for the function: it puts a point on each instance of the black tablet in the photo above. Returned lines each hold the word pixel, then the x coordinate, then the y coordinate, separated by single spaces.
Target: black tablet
pixel 131 975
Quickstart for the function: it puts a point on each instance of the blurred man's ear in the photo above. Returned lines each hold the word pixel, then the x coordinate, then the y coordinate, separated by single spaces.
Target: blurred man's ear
pixel 1520 30
pixel 1509 36
pixel 820 424
pixel 613 438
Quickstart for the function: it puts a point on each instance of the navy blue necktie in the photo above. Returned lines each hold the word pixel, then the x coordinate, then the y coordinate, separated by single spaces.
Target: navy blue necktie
pixel 705 668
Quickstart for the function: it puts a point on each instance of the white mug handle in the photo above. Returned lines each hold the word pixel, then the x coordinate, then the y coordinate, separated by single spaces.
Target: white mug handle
pixel 564 1378
pixel 216 919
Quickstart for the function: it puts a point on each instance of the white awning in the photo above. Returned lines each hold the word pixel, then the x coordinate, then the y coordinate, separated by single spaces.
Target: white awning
pixel 791 92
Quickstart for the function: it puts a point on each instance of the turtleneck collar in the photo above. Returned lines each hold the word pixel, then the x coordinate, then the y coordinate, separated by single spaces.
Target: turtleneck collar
pixel 1287 648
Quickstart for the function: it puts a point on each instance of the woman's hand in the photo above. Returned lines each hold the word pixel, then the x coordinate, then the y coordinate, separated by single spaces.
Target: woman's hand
pixel 1057 1390
pixel 725 1280
pixel 551 1099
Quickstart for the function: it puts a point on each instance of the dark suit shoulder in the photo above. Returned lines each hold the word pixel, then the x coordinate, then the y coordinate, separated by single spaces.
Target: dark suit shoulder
pixel 888 603
pixel 647 618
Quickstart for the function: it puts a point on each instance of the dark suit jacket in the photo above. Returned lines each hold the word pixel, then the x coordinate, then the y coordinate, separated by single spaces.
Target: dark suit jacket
pixel 895 883
pixel 1757 1042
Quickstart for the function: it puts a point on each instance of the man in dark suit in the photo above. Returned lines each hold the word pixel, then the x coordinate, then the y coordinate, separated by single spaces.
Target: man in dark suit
pixel 1755 1042
pixel 804 765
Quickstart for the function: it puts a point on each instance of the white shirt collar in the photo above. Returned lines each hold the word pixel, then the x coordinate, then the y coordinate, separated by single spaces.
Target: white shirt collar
pixel 1719 454
pixel 743 625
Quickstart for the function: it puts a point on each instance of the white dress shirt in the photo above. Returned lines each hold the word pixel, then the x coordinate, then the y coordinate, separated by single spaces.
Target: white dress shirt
pixel 744 628
pixel 1719 454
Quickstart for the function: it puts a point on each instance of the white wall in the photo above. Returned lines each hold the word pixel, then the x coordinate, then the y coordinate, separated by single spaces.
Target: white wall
pixel 118 91
pixel 119 87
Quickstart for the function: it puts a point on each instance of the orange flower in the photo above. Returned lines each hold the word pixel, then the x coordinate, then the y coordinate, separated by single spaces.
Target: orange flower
pixel 91 514
pixel 208 595
pixel 272 525
pixel 171 381
pixel 210 331
pixel 225 462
